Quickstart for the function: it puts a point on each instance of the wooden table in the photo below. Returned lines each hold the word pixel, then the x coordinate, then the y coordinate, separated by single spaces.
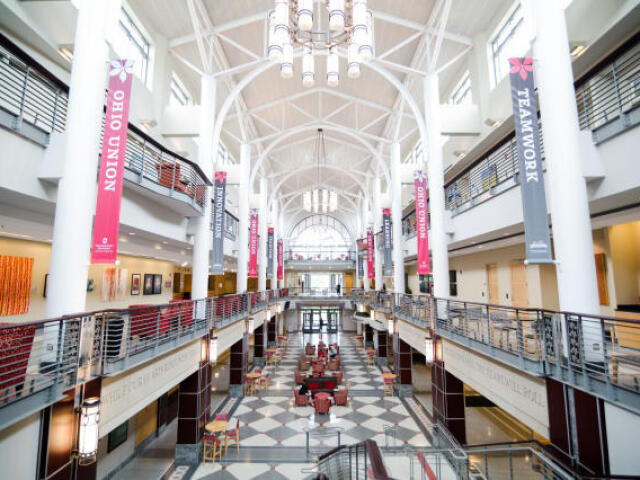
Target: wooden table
pixel 272 350
pixel 370 351
pixel 254 375
pixel 217 426
pixel 389 376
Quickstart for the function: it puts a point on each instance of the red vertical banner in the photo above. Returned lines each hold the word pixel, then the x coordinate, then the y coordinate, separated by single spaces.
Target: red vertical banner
pixel 422 237
pixel 253 243
pixel 280 260
pixel 370 267
pixel 114 143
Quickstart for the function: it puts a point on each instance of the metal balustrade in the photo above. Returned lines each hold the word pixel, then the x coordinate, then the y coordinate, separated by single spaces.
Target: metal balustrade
pixel 34 102
pixel 317 292
pixel 360 461
pixel 413 308
pixel 39 360
pixel 320 254
pixel 607 97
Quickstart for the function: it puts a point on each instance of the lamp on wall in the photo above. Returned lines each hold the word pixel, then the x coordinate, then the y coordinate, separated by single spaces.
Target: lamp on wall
pixel 213 350
pixel 250 325
pixel 428 349
pixel 390 326
pixel 88 434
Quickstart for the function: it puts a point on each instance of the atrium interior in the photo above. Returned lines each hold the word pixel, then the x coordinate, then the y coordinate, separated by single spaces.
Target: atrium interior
pixel 275 239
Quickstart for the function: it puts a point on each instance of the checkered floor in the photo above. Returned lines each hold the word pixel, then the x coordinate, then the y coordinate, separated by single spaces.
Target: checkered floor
pixel 270 423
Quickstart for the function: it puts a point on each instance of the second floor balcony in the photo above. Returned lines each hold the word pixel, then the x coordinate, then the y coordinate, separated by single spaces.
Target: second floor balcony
pixel 320 257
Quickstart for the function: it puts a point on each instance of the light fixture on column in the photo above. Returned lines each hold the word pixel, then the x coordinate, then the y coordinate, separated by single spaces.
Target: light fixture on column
pixel 390 326
pixel 213 350
pixel 250 325
pixel 350 26
pixel 428 349
pixel 88 432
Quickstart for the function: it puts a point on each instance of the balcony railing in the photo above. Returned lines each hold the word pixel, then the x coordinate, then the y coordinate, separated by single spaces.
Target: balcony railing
pixel 360 461
pixel 320 255
pixel 319 292
pixel 34 102
pixel 608 98
pixel 40 360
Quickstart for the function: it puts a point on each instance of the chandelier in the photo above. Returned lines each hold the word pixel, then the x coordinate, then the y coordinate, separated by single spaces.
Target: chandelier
pixel 319 199
pixel 292 23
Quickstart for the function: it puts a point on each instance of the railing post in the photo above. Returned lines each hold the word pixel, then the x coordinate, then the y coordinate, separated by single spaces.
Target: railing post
pixel 22 99
pixel 519 339
pixel 605 363
pixel 488 327
pixel 616 86
pixel 144 147
pixel 55 111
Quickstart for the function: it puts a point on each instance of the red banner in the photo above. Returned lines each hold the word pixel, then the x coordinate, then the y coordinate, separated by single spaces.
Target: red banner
pixel 253 243
pixel 107 220
pixel 422 237
pixel 280 260
pixel 370 267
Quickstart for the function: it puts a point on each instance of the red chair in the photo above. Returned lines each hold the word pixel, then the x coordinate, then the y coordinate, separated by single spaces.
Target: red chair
pixel 301 400
pixel 221 416
pixel 299 377
pixel 322 404
pixel 339 377
pixel 212 447
pixel 341 396
pixel 318 368
pixel 143 320
pixel 233 434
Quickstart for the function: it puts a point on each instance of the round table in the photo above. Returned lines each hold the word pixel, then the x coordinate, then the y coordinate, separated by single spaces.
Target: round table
pixel 389 376
pixel 217 426
pixel 272 350
pixel 254 375
pixel 370 351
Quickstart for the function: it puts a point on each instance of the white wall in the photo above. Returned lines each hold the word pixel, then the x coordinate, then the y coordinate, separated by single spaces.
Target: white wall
pixel 622 428
pixel 19 448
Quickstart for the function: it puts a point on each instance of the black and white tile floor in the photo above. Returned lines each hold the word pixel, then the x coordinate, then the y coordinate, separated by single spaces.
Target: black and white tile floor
pixel 273 430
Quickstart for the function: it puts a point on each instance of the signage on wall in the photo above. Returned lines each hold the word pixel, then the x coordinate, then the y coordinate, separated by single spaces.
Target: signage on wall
pixel 534 203
pixel 370 267
pixel 270 253
pixel 422 235
pixel 217 253
pixel 107 220
pixel 386 238
pixel 280 260
pixel 253 243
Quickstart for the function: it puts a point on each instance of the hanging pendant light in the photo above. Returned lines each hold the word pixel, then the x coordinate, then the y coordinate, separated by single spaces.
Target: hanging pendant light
pixel 337 15
pixel 366 46
pixel 333 68
pixel 353 60
pixel 308 67
pixel 286 66
pixel 274 50
pixel 305 15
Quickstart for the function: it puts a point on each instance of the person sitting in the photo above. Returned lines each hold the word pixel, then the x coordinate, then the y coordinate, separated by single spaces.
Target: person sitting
pixel 321 353
pixel 303 389
pixel 332 351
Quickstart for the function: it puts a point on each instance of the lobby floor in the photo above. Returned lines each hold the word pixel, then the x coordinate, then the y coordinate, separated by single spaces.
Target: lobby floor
pixel 273 431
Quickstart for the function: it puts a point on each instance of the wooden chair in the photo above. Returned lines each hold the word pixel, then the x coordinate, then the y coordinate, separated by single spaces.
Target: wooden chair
pixel 221 416
pixel 212 447
pixel 371 359
pixel 388 386
pixel 249 386
pixel 263 383
pixel 341 396
pixel 232 434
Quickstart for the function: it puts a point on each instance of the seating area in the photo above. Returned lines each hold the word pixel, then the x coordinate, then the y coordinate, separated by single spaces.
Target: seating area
pixel 220 432
pixel 319 380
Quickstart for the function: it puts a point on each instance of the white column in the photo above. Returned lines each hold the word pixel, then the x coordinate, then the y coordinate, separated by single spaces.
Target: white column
pixel 262 229
pixel 572 238
pixel 396 219
pixel 435 176
pixel 76 200
pixel 281 230
pixel 377 226
pixel 243 216
pixel 358 230
pixel 203 238
pixel 276 232
pixel 365 225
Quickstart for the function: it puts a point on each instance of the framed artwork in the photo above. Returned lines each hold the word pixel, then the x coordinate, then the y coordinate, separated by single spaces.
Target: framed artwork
pixel 147 288
pixel 44 290
pixel 117 436
pixel 114 283
pixel 135 284
pixel 157 284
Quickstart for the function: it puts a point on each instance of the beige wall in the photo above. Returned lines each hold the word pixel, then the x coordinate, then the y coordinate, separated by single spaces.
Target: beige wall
pixel 413 281
pixel 41 252
pixel 624 241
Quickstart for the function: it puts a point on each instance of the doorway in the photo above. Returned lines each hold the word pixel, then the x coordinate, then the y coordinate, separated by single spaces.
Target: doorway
pixel 519 289
pixel 492 284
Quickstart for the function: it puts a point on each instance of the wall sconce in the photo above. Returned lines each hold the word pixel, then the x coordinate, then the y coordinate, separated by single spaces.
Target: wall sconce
pixel 428 349
pixel 88 435
pixel 390 326
pixel 268 316
pixel 438 350
pixel 372 315
pixel 203 350
pixel 250 326
pixel 213 350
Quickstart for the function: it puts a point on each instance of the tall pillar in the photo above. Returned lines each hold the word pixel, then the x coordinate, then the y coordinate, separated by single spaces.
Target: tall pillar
pixel 243 218
pixel 448 401
pixel 193 413
pixel 572 239
pixel 238 361
pixel 435 175
pixel 402 363
pixel 56 439
pixel 76 198
pixel 368 335
pixel 365 225
pixel 259 344
pixel 396 219
pixel 262 229
pixel 276 233
pixel 377 226
pixel 358 230
pixel 202 238
pixel 281 235
pixel 272 332
pixel 381 352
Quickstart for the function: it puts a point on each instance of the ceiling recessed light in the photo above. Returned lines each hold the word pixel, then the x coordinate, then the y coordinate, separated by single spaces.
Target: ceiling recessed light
pixel 578 50
pixel 157 247
pixel 132 233
pixel 165 242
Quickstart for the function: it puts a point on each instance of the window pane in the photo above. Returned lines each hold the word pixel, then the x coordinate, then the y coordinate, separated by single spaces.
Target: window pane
pixel 510 41
pixel 130 43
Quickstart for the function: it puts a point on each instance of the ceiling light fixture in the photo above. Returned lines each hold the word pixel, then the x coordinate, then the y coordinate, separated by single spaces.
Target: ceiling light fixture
pixel 320 199
pixel 292 23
